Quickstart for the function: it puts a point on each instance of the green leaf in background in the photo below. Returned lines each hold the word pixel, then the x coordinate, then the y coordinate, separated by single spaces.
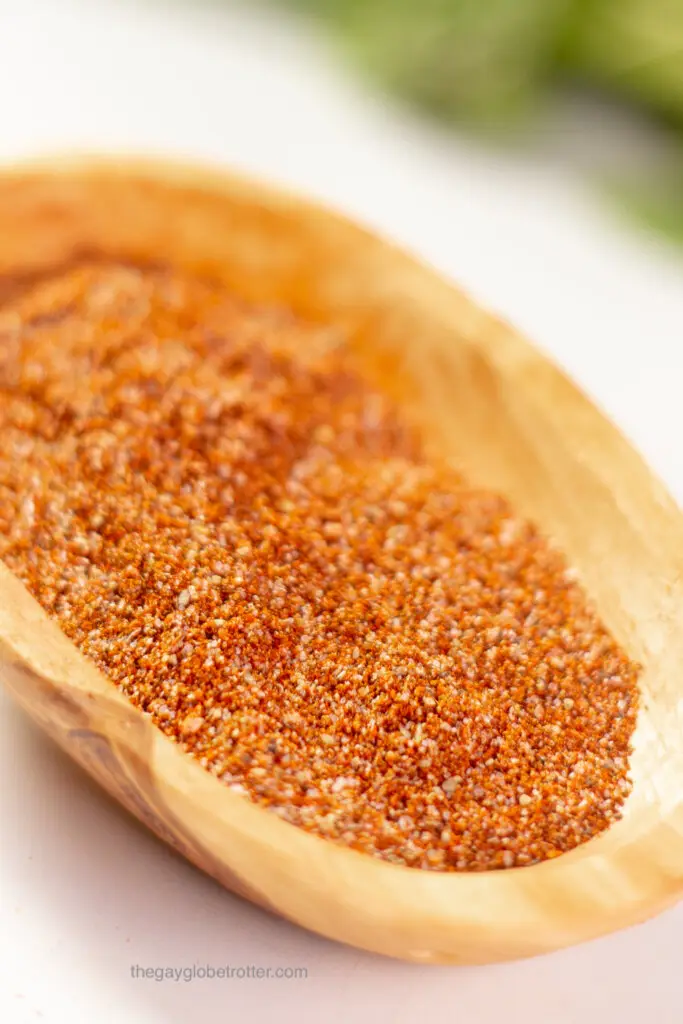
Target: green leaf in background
pixel 479 61
pixel 487 64
pixel 486 60
pixel 658 207
pixel 635 47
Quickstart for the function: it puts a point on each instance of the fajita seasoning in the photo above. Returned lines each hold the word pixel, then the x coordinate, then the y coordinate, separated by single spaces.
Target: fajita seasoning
pixel 252 545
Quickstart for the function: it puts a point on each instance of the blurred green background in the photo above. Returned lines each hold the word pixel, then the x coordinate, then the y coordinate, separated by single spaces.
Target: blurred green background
pixel 490 65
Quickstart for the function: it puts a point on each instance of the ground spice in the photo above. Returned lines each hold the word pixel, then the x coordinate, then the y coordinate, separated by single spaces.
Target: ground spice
pixel 250 543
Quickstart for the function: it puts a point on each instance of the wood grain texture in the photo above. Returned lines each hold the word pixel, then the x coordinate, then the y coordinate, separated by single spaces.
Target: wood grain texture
pixel 513 421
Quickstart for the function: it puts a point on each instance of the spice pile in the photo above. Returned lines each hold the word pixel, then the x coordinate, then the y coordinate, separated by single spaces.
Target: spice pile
pixel 248 541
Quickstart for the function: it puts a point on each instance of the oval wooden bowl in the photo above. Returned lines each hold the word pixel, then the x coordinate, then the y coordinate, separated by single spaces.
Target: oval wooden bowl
pixel 514 422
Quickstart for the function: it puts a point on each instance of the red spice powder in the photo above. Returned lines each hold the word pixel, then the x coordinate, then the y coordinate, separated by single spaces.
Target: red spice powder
pixel 249 541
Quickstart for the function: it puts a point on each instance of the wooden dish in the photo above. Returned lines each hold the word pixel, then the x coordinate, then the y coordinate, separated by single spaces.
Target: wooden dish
pixel 514 422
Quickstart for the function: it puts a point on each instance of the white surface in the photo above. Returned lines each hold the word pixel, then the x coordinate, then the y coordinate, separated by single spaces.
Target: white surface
pixel 84 892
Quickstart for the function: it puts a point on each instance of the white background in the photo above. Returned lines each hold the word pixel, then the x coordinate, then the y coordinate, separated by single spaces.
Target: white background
pixel 84 892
